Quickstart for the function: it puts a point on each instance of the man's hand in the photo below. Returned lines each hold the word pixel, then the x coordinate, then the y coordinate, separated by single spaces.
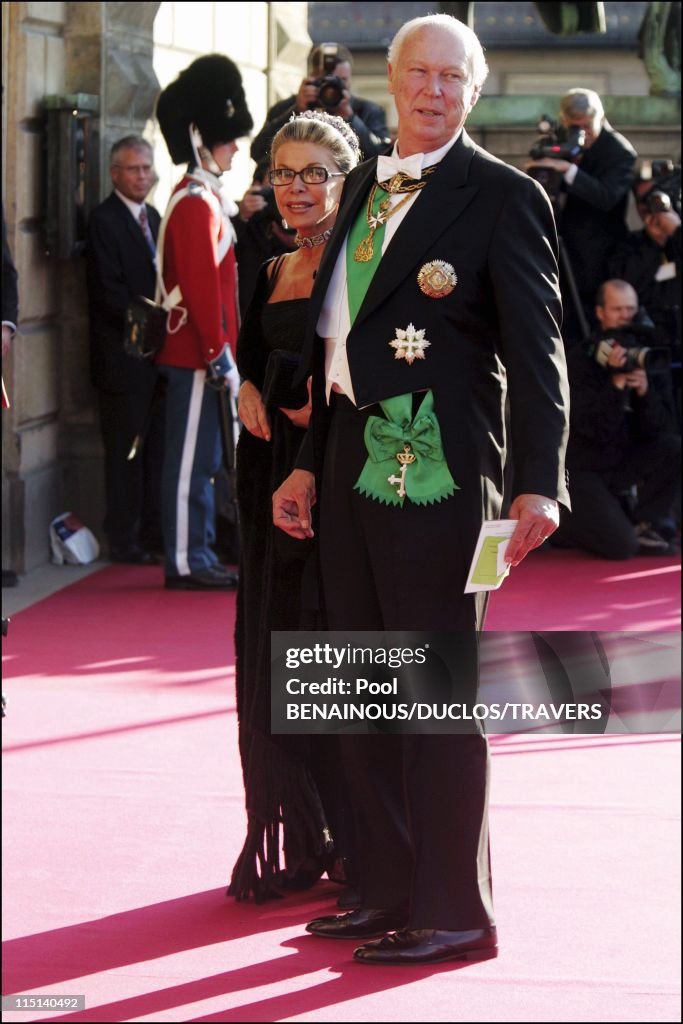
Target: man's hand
pixel 538 517
pixel 252 202
pixel 252 411
pixel 615 359
pixel 637 381
pixel 344 109
pixel 307 96
pixel 661 226
pixel 548 161
pixel 292 504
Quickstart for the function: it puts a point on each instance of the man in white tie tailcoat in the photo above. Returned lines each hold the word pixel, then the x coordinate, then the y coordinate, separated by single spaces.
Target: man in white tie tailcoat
pixel 437 295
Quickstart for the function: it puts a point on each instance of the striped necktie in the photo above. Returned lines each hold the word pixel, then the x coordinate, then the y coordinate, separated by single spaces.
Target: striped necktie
pixel 147 231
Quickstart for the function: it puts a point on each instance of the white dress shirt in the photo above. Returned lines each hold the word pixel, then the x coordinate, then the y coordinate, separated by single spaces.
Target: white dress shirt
pixel 334 322
pixel 134 207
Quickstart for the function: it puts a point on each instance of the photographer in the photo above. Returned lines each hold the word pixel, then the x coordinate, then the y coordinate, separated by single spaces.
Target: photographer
pixel 619 437
pixel 328 87
pixel 592 207
pixel 650 260
pixel 260 233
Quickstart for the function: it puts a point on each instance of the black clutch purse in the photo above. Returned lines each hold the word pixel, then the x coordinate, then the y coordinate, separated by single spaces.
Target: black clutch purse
pixel 145 330
pixel 278 389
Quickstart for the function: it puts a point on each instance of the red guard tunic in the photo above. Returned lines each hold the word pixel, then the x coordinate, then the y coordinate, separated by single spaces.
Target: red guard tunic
pixel 199 259
pixel 196 232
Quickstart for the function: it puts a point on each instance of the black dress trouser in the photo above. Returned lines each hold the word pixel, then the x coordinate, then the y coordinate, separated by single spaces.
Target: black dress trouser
pixel 419 801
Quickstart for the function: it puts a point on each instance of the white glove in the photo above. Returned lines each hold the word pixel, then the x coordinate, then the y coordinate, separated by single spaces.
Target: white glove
pixel 232 378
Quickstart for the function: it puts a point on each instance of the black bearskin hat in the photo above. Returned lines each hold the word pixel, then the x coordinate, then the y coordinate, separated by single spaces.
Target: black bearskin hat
pixel 208 94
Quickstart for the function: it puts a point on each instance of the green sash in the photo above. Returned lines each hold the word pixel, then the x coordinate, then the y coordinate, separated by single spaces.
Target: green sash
pixel 421 474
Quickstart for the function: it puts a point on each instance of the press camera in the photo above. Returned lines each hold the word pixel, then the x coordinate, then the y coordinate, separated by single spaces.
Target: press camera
pixel 330 88
pixel 639 356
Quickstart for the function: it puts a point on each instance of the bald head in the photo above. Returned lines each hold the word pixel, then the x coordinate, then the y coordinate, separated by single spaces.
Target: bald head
pixel 616 304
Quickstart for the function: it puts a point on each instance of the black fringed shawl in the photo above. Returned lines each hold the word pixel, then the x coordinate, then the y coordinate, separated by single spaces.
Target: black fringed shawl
pixel 282 799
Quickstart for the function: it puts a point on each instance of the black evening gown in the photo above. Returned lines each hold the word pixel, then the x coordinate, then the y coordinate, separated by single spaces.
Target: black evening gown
pixel 283 775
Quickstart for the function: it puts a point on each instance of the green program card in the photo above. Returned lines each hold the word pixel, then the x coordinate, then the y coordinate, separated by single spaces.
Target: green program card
pixel 485 572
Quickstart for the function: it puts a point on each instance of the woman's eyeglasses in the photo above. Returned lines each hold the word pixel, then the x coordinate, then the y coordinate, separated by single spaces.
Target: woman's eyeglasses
pixel 309 175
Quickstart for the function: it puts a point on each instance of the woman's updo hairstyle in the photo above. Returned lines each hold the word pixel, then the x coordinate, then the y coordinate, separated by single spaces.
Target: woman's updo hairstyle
pixel 321 129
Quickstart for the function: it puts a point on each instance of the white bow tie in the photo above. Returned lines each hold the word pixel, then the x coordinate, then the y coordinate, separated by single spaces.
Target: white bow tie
pixel 388 166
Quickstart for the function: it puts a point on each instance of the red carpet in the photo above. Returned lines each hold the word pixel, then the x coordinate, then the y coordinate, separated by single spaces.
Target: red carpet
pixel 123 815
pixel 558 590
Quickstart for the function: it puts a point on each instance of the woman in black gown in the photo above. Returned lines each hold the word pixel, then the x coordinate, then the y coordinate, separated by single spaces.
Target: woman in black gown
pixel 286 782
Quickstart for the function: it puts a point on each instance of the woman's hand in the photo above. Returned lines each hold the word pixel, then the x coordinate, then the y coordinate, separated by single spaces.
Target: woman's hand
pixel 300 417
pixel 252 411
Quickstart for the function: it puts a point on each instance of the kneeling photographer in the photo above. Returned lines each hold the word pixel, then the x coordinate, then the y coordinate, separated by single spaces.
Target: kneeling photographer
pixel 619 437
pixel 590 207
pixel 327 86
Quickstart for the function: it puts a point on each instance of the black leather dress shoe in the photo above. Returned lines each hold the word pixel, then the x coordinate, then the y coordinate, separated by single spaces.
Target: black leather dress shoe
pixel 359 924
pixel 132 556
pixel 416 946
pixel 211 578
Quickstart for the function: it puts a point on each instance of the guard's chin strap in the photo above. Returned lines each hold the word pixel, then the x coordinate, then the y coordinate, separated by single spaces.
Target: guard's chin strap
pixel 197 144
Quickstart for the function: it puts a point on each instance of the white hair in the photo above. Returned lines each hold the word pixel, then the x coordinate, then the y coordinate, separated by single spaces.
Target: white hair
pixel 581 103
pixel 473 48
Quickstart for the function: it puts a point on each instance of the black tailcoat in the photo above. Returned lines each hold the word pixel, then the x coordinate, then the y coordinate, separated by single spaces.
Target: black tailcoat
pixel 497 332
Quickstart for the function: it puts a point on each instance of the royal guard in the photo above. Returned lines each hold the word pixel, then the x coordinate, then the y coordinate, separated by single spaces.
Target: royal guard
pixel 201 114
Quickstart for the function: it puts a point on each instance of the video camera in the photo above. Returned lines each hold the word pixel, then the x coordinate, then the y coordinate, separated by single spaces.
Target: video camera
pixel 331 89
pixel 652 359
pixel 559 143
pixel 658 189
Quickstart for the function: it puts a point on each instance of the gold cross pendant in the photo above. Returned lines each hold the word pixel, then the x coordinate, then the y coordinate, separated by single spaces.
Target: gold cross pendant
pixel 405 459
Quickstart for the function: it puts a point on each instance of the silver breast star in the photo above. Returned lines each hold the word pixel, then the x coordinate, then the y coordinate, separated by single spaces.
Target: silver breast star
pixel 410 344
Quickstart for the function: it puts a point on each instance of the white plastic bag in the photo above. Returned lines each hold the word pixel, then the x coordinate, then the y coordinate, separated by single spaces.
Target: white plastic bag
pixel 71 541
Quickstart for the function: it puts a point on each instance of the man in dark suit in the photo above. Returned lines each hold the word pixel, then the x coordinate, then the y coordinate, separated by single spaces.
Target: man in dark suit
pixel 438 287
pixel 595 190
pixel 122 234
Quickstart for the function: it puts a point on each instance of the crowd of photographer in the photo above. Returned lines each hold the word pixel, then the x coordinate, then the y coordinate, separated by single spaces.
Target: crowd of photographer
pixel 621 331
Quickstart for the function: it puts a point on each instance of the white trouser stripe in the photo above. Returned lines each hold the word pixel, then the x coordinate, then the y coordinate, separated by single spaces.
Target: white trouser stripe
pixel 185 477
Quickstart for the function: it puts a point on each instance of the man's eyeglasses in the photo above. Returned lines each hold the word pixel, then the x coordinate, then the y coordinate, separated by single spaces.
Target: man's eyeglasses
pixel 309 175
pixel 135 168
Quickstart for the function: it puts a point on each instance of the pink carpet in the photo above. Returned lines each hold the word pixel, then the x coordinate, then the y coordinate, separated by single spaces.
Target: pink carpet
pixel 123 814
pixel 556 590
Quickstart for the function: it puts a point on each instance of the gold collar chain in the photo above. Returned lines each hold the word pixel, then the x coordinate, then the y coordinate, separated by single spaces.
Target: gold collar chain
pixel 400 184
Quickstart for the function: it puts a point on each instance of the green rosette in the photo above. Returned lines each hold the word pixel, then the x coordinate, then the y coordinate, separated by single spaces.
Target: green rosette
pixel 428 478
